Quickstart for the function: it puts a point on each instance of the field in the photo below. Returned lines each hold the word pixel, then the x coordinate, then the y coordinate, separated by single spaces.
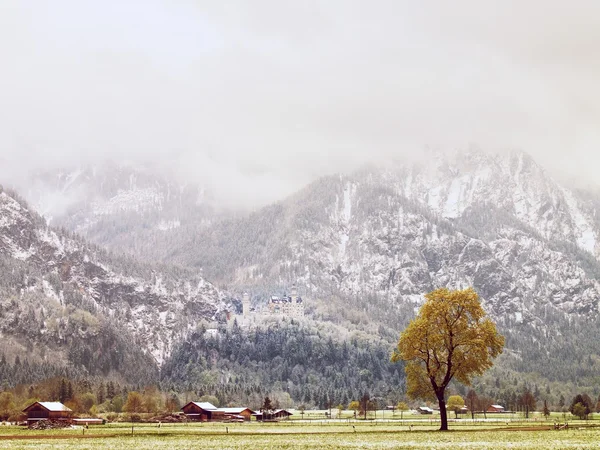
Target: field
pixel 296 435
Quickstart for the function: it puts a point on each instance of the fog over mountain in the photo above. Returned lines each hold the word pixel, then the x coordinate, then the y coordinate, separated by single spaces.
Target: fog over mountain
pixel 255 101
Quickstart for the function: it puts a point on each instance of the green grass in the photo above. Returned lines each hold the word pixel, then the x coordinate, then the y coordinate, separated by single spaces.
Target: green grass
pixel 306 436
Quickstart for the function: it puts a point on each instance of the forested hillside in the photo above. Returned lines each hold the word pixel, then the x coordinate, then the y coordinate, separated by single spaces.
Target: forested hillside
pixel 288 361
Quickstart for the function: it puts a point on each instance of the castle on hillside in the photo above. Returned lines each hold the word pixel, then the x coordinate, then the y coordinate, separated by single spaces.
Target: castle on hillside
pixel 291 306
pixel 288 306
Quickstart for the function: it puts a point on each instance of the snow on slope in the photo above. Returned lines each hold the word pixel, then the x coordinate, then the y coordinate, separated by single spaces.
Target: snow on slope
pixel 514 182
pixel 162 309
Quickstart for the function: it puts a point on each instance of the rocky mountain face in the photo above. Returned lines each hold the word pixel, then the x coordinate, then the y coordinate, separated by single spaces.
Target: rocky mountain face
pixel 500 224
pixel 497 222
pixel 380 238
pixel 129 208
pixel 377 239
pixel 71 301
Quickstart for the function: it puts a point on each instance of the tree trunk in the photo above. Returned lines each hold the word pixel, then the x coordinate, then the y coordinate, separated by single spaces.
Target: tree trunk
pixel 443 413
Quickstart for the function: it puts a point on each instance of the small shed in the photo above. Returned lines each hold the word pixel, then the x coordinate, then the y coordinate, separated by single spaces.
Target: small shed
pixel 424 410
pixel 47 411
pixel 273 416
pixel 87 421
pixel 496 409
pixel 281 414
pixel 199 411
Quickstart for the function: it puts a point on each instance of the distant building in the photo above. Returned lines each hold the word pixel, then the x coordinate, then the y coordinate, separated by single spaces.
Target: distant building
pixel 291 306
pixel 199 411
pixel 246 305
pixel 87 421
pixel 282 414
pixel 205 412
pixel 424 410
pixel 278 414
pixel 288 306
pixel 235 413
pixel 47 411
pixel 496 409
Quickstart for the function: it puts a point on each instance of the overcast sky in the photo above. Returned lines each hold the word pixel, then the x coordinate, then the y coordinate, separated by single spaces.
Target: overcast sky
pixel 270 94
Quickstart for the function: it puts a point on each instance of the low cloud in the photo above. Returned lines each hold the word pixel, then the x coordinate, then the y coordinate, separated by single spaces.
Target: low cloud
pixel 260 99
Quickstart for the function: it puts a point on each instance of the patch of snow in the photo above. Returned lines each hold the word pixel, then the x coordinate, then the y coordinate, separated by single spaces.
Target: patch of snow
pixel 166 225
pixel 348 191
pixel 433 197
pixel 132 200
pixel 19 253
pixel 51 238
pixel 71 178
pixel 584 231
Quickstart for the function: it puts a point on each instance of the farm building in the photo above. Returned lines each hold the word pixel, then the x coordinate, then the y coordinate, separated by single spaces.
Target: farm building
pixel 278 414
pixel 204 411
pixel 200 411
pixel 87 421
pixel 424 410
pixel 46 411
pixel 495 409
pixel 245 413
pixel 282 414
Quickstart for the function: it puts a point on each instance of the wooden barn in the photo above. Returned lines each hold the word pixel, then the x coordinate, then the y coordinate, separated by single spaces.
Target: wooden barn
pixel 278 414
pixel 496 409
pixel 199 411
pixel 282 414
pixel 237 412
pixel 47 411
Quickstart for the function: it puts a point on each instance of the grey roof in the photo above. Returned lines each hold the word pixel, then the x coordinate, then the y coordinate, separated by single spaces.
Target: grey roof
pixel 54 406
pixel 235 410
pixel 205 406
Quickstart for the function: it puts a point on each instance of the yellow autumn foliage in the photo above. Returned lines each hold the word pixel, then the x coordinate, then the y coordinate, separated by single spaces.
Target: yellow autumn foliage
pixel 451 338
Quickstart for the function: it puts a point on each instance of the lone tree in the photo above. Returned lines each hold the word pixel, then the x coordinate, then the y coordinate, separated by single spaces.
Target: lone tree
pixel 402 406
pixel 586 401
pixel 472 401
pixel 267 408
pixel 451 337
pixel 455 403
pixel 527 401
pixel 364 404
pixel 546 410
pixel 354 405
pixel 579 410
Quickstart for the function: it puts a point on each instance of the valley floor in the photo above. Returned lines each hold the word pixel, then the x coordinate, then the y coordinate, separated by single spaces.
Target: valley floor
pixel 307 436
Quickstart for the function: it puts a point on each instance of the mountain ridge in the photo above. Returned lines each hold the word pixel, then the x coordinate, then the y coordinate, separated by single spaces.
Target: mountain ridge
pixel 69 277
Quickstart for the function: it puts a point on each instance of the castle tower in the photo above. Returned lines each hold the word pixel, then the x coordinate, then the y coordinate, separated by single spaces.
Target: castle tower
pixel 246 305
pixel 294 293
